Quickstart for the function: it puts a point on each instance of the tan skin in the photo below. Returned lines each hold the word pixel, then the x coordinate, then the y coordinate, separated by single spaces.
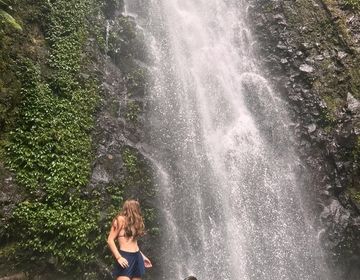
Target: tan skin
pixel 127 244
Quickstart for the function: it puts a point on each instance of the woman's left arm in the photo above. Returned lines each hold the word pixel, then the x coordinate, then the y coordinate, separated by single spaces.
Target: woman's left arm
pixel 147 262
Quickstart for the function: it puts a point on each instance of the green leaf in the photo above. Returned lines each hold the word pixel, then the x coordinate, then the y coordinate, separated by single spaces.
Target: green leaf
pixel 9 19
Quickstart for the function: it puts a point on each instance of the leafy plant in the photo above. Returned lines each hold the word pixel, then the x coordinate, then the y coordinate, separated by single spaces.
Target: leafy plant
pixel 50 148
pixel 7 18
pixel 355 4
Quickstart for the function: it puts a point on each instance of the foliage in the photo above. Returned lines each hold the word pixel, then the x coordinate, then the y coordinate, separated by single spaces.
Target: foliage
pixel 50 149
pixel 355 195
pixel 4 16
pixel 132 112
pixel 66 228
pixel 130 161
pixel 136 80
pixel 51 146
pixel 138 176
pixel 355 4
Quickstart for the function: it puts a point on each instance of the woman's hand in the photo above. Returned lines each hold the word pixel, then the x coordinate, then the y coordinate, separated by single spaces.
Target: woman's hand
pixel 147 262
pixel 123 262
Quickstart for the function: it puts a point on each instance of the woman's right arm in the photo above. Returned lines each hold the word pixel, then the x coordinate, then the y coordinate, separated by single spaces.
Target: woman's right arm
pixel 116 226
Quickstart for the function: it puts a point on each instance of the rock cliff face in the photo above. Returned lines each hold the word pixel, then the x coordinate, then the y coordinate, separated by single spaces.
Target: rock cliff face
pixel 92 42
pixel 121 167
pixel 311 51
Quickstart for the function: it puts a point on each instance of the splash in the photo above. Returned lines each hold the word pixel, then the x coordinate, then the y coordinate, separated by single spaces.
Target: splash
pixel 231 199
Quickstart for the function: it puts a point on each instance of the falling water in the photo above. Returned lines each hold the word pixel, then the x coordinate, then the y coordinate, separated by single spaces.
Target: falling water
pixel 228 176
pixel 107 32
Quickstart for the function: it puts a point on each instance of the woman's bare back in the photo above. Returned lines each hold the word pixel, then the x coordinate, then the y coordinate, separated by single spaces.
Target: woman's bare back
pixel 126 243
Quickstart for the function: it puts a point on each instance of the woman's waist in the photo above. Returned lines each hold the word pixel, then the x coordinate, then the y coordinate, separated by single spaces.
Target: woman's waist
pixel 129 248
pixel 127 252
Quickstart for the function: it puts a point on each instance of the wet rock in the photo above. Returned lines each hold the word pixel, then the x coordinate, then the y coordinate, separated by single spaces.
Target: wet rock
pixel 306 68
pixel 306 46
pixel 341 55
pixel 334 212
pixel 10 196
pixel 281 46
pixel 314 65
pixel 311 128
pixel 299 53
pixel 280 19
pixel 100 175
pixel 17 276
pixel 309 60
pixel 319 57
pixel 353 104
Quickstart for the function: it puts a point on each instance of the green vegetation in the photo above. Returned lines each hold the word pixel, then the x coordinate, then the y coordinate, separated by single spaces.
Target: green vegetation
pixel 130 162
pixel 64 231
pixel 48 97
pixel 354 4
pixel 6 18
pixel 355 79
pixel 138 176
pixel 49 150
pixel 132 112
pixel 355 195
pixel 136 80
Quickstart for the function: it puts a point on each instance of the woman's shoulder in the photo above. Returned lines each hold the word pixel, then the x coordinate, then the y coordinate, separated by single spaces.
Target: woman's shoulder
pixel 119 220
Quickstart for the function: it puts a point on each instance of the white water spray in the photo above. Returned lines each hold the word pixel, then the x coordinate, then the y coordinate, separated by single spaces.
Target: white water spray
pixel 231 199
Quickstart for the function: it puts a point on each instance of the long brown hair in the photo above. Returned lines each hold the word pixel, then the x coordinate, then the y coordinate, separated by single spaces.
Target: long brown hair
pixel 134 224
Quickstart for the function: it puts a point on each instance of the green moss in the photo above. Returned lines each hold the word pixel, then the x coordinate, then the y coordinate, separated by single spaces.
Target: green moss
pixel 355 195
pixel 355 80
pixel 356 150
pixel 8 251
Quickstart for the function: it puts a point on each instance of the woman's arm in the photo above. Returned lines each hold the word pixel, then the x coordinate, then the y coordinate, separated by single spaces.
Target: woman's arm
pixel 147 262
pixel 113 234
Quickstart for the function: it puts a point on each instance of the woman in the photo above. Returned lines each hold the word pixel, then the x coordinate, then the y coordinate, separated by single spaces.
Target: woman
pixel 127 227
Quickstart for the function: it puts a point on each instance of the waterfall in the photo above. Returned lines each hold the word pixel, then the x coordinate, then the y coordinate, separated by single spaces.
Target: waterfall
pixel 229 184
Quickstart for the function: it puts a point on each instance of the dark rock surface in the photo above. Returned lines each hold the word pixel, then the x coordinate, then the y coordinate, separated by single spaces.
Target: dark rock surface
pixel 311 51
pixel 121 167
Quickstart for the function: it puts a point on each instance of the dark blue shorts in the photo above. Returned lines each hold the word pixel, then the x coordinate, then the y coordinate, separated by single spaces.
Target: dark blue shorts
pixel 136 266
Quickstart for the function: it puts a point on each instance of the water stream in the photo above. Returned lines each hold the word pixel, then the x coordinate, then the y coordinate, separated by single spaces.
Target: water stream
pixel 228 175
